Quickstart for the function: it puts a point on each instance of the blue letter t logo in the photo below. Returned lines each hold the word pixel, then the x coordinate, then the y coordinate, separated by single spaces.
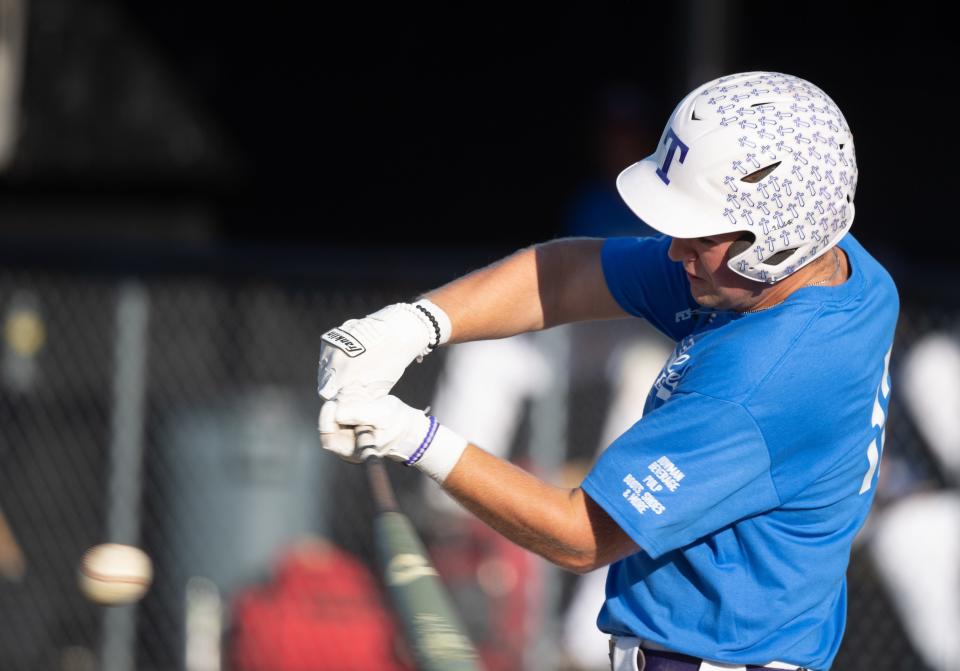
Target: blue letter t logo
pixel 673 144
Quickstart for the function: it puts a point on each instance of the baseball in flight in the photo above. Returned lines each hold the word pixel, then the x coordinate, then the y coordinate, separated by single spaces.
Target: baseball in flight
pixel 112 574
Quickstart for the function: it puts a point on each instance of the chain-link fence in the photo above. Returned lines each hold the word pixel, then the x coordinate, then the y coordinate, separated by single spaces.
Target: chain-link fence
pixel 177 412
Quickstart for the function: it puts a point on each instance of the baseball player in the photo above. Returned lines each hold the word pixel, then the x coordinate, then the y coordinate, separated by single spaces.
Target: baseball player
pixel 727 512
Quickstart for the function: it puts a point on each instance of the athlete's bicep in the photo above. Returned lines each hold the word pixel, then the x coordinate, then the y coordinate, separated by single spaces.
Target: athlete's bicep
pixel 571 282
pixel 612 542
pixel 691 467
pixel 645 282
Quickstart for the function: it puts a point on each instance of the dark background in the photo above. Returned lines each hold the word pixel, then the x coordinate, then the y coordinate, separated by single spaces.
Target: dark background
pixel 426 128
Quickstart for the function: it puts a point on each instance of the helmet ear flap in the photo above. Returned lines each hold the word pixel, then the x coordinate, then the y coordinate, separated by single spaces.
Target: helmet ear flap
pixel 740 245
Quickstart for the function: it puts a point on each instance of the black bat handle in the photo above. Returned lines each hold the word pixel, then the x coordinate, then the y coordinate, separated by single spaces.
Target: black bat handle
pixel 380 485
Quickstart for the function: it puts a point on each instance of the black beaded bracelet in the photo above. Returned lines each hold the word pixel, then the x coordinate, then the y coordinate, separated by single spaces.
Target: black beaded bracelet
pixel 436 326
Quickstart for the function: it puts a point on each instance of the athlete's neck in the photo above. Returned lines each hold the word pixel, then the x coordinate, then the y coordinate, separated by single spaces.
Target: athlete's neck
pixel 829 270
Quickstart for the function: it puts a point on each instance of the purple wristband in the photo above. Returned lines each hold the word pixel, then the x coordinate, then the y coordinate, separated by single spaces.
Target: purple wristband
pixel 431 432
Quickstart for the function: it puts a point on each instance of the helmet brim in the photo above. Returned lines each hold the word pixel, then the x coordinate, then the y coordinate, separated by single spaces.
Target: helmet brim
pixel 667 210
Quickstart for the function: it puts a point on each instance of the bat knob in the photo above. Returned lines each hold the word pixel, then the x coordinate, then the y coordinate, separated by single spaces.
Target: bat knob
pixel 365 442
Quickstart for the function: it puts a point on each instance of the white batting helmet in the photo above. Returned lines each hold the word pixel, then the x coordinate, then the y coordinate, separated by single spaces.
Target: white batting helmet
pixel 761 152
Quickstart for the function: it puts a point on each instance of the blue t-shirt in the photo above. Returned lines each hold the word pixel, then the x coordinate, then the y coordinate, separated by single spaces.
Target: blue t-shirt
pixel 754 464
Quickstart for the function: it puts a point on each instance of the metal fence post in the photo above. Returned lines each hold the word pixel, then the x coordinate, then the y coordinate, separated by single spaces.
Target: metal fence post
pixel 126 459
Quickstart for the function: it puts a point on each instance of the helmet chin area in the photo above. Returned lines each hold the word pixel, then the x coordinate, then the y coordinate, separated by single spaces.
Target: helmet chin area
pixel 777 266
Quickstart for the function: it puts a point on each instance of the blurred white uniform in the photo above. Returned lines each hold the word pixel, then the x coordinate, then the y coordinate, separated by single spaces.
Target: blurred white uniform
pixel 916 541
pixel 484 386
pixel 482 393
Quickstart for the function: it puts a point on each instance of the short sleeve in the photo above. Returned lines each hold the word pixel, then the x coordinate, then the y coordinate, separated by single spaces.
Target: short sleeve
pixel 691 467
pixel 646 283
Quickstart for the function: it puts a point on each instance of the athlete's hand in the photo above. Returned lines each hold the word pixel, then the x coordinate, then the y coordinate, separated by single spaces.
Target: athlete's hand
pixel 341 440
pixel 399 432
pixel 369 355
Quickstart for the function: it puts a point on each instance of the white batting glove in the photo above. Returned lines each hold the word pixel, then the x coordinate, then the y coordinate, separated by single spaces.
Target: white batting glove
pixel 399 432
pixel 341 440
pixel 369 355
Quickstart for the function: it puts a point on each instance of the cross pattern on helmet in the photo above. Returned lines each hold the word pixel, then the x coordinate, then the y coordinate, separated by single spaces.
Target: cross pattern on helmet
pixel 762 152
pixel 785 211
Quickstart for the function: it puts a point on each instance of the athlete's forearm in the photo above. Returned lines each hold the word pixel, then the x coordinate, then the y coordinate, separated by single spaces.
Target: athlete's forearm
pixel 552 283
pixel 561 525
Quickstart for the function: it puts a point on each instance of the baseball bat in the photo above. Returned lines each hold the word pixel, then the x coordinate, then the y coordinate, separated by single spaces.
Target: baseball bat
pixel 431 626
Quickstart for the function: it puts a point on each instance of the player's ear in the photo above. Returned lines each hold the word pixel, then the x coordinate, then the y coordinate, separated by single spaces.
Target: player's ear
pixel 740 245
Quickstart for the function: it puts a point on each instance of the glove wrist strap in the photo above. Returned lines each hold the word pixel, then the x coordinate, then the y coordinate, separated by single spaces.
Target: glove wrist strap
pixel 442 452
pixel 425 443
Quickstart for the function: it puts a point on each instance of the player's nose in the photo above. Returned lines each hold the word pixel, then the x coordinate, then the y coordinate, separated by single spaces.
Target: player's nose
pixel 680 250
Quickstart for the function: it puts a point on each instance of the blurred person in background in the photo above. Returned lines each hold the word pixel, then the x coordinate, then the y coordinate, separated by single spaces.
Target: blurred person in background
pixel 486 387
pixel 914 540
pixel 628 354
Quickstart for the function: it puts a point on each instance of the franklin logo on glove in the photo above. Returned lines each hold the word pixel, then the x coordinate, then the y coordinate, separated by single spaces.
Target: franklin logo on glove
pixel 390 339
pixel 344 342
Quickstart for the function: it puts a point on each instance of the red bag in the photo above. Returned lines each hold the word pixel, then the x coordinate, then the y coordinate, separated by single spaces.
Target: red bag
pixel 321 612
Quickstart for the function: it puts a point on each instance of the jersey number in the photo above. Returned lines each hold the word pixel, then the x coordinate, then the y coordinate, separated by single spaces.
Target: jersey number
pixel 879 420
